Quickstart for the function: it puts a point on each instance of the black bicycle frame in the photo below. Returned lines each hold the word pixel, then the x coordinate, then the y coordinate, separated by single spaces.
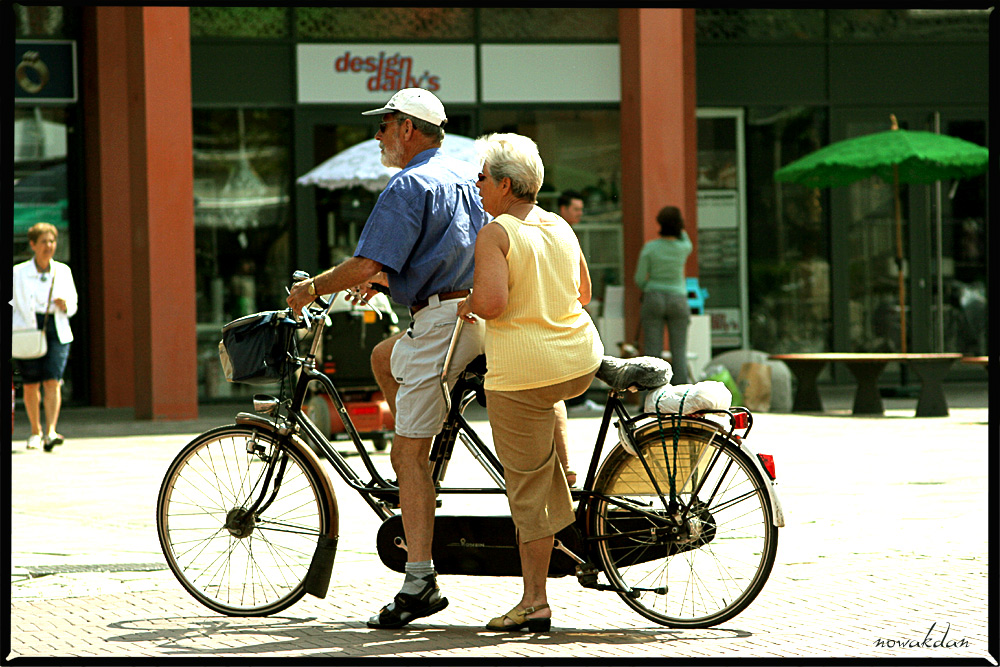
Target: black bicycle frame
pixel 379 491
pixel 456 427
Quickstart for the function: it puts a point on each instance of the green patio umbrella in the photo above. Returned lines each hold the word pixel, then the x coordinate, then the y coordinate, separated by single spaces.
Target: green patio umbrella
pixel 896 156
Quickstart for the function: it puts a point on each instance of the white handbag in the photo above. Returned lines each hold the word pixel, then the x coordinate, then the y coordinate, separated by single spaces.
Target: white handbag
pixel 32 343
pixel 28 344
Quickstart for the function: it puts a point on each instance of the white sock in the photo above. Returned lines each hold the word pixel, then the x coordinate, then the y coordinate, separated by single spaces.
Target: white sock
pixel 418 576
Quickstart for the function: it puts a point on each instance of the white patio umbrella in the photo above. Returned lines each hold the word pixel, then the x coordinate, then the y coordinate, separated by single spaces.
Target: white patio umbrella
pixel 360 165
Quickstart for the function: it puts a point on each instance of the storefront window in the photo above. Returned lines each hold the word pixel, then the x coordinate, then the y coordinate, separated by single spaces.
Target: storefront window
pixel 40 181
pixel 251 22
pixel 581 151
pixel 965 246
pixel 242 171
pixel 525 24
pixel 45 182
pixel 385 23
pixel 873 287
pixel 722 229
pixel 788 231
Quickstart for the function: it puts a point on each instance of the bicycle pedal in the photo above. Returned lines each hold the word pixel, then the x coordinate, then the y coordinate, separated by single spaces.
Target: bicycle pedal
pixel 586 574
pixel 598 587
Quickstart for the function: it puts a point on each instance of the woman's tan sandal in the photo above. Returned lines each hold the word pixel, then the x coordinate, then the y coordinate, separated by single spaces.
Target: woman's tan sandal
pixel 520 620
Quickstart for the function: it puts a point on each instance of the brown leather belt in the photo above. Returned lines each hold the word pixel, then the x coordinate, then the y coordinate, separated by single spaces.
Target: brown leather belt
pixel 443 296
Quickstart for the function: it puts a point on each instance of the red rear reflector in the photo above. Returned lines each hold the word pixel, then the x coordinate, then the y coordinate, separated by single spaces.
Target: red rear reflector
pixel 740 419
pixel 768 462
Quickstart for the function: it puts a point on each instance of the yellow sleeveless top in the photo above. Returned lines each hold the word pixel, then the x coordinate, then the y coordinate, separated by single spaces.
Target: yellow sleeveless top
pixel 544 336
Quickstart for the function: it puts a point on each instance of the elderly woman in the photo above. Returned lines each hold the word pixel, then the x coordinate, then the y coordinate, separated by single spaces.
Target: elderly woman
pixel 530 285
pixel 44 297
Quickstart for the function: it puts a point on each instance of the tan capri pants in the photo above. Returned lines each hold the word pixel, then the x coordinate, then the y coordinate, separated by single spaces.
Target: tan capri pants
pixel 522 423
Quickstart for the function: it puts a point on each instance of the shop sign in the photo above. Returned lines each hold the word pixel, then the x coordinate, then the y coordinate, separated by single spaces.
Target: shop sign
pixel 727 326
pixel 718 209
pixel 550 73
pixel 370 73
pixel 45 71
pixel 722 245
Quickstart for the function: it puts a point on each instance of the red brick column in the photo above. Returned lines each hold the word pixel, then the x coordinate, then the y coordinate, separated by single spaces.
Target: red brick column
pixel 108 205
pixel 158 75
pixel 659 126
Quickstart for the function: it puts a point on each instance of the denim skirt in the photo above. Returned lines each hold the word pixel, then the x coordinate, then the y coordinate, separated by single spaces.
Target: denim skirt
pixel 53 364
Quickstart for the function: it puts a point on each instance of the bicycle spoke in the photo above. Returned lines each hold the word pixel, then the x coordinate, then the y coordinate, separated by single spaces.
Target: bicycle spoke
pixel 234 562
pixel 704 562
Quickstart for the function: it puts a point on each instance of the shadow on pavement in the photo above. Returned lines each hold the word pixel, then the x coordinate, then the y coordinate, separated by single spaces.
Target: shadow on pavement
pixel 201 636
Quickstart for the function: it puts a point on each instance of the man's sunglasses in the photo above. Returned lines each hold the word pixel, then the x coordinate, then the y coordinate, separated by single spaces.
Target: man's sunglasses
pixel 385 123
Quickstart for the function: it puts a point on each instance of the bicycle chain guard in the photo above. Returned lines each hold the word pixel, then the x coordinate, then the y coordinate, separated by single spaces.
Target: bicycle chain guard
pixel 474 545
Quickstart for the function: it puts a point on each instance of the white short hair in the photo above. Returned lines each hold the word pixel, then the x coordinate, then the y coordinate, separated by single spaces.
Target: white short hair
pixel 516 157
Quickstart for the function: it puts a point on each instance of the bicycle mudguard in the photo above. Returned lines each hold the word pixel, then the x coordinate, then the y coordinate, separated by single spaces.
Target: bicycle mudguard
pixel 778 518
pixel 474 545
pixel 317 579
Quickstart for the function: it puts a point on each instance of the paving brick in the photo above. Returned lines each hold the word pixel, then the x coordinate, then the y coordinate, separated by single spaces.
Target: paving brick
pixel 886 537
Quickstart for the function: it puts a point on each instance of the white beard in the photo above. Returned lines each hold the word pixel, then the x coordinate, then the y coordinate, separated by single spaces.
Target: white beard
pixel 392 158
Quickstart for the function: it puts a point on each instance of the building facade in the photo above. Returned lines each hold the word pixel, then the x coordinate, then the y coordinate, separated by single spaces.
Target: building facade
pixel 171 166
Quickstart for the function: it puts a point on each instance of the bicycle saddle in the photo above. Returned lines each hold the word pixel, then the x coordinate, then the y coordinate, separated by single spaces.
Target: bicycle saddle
pixel 641 373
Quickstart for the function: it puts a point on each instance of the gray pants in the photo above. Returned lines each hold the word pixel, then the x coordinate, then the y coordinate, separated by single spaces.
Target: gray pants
pixel 673 309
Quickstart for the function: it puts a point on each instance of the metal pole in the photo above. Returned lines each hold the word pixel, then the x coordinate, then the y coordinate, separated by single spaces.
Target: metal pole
pixel 899 261
pixel 940 259
pixel 899 250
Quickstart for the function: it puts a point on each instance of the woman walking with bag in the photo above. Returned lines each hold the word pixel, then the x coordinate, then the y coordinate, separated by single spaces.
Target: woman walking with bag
pixel 44 298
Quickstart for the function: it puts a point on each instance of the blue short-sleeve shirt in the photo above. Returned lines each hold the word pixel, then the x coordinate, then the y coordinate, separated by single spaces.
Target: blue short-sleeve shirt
pixel 423 227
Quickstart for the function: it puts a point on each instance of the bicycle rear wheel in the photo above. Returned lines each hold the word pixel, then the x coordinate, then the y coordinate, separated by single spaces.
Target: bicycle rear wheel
pixel 233 560
pixel 701 562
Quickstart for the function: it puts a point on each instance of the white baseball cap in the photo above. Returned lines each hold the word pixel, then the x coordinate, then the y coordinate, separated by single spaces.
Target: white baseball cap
pixel 416 102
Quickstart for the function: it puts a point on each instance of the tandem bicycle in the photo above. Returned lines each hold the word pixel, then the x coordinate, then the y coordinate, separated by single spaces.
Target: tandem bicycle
pixel 679 518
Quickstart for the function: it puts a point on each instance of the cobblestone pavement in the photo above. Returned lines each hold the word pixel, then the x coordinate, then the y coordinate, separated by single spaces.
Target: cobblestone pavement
pixel 884 555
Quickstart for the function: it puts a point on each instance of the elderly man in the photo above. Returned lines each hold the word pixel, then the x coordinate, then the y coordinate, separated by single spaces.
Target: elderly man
pixel 420 241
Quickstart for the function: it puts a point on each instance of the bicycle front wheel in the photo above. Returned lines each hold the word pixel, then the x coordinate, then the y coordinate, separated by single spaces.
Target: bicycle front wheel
pixel 239 516
pixel 700 561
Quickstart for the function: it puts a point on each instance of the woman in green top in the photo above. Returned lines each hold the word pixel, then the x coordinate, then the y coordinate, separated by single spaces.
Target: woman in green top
pixel 660 276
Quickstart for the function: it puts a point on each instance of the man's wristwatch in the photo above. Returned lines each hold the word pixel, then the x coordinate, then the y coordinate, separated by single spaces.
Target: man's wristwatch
pixel 312 288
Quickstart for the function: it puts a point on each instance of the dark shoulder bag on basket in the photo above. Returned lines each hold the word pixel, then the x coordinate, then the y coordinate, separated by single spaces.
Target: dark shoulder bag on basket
pixel 255 349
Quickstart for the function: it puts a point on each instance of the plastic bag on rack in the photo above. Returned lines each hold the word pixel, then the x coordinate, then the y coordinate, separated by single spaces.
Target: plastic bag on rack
pixel 706 395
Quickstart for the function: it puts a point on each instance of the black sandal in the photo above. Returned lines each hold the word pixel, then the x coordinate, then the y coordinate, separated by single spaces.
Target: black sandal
pixel 52 441
pixel 407 608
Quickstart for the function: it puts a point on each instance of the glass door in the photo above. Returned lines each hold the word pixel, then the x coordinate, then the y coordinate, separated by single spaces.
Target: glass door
pixel 957 236
pixel 341 213
pixel 242 219
pixel 944 230
pixel 722 226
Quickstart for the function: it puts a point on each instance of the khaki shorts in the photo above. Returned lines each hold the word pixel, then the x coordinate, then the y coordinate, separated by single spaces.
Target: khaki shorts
pixel 418 359
pixel 522 423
